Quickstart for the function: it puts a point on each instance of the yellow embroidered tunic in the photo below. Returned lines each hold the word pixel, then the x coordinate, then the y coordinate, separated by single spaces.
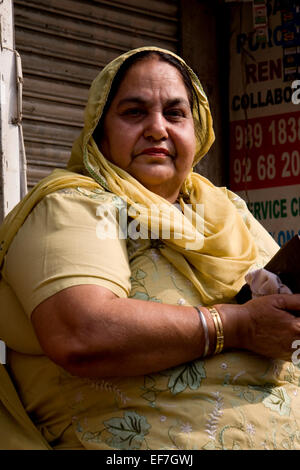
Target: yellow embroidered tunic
pixel 236 400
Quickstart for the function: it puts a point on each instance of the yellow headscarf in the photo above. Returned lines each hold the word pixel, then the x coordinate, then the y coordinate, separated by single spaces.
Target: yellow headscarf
pixel 216 260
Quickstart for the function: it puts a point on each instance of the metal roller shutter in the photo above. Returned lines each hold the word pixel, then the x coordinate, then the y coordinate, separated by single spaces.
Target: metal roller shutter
pixel 63 45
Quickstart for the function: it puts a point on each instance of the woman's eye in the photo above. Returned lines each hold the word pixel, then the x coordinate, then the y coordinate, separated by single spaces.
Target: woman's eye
pixel 175 113
pixel 133 112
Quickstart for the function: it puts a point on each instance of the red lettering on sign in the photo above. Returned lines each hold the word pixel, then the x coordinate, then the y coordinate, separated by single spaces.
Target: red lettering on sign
pixel 263 71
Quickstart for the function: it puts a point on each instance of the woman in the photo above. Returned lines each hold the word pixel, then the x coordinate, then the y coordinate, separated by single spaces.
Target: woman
pixel 115 355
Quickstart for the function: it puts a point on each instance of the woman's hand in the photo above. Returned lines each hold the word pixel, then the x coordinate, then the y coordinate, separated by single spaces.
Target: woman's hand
pixel 263 325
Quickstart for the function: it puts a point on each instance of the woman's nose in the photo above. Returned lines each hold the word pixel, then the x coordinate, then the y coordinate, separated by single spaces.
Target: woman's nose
pixel 155 127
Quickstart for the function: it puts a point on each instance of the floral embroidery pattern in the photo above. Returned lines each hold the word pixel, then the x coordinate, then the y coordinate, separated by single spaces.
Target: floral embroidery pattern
pixel 151 391
pixel 186 428
pixel 278 401
pixel 187 375
pixel 227 437
pixel 275 398
pixel 103 385
pixel 250 429
pixel 291 374
pixel 137 279
pixel 214 416
pixel 128 432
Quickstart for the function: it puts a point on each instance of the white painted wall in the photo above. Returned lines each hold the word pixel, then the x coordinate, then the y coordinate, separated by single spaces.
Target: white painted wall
pixel 13 184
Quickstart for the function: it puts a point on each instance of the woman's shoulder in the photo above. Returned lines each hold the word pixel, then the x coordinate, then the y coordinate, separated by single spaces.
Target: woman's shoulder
pixel 82 193
pixel 80 197
pixel 76 206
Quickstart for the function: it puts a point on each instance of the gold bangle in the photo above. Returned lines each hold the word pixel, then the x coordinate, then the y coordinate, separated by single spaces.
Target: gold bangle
pixel 205 329
pixel 219 329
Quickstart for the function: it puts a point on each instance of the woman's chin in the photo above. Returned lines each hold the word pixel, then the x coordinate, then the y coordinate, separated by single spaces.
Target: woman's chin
pixel 154 179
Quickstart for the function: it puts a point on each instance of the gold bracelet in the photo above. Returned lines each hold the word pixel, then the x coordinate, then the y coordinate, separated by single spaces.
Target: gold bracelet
pixel 219 329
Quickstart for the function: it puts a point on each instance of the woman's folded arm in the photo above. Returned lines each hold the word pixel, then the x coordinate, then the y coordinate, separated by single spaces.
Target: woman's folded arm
pixel 91 332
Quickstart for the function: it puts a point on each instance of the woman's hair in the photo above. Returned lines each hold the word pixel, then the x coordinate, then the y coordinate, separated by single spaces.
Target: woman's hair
pixel 163 56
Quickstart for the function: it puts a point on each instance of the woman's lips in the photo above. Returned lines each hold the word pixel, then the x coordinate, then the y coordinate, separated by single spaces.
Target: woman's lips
pixel 159 151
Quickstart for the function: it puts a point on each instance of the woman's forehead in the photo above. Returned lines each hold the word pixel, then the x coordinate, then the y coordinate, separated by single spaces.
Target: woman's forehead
pixel 152 75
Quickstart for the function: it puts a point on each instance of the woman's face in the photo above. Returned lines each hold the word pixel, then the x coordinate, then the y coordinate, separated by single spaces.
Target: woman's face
pixel 148 130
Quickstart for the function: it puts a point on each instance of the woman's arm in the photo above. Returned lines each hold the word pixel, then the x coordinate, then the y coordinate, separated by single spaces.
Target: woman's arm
pixel 90 332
